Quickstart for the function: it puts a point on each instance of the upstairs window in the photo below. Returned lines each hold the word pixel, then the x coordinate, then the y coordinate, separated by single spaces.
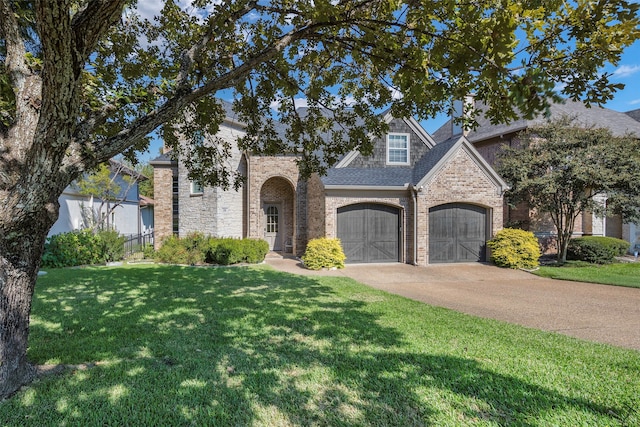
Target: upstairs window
pixel 398 149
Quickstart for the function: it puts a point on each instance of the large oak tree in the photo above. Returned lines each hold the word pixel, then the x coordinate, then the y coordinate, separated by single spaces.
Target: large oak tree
pixel 84 80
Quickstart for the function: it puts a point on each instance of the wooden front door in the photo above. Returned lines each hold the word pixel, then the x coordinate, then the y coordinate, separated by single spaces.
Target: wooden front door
pixel 272 234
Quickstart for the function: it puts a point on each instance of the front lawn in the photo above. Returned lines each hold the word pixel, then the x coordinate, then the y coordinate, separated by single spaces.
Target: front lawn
pixel 620 274
pixel 163 345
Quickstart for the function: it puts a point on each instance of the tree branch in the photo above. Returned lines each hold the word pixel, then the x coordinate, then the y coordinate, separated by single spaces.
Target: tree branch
pixel 92 22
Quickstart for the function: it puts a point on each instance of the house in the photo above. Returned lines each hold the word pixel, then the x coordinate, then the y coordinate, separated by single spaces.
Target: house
pixel 78 211
pixel 488 138
pixel 411 201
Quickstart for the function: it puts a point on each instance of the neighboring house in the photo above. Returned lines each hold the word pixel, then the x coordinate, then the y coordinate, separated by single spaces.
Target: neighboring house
pixel 76 209
pixel 146 214
pixel 412 201
pixel 488 139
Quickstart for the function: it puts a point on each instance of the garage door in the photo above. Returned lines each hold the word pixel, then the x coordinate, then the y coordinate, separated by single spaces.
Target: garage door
pixel 457 233
pixel 369 232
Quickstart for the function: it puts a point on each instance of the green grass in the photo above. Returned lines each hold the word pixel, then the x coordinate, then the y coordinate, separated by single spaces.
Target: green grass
pixel 252 346
pixel 619 274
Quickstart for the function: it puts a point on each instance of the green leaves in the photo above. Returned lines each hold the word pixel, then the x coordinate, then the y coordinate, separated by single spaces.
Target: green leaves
pixel 345 61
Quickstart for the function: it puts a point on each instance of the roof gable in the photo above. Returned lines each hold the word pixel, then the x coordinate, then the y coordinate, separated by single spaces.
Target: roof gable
pixel 419 142
pixel 438 157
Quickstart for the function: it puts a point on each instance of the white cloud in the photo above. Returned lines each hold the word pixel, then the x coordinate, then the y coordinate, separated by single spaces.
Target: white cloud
pixel 150 8
pixel 626 70
pixel 634 102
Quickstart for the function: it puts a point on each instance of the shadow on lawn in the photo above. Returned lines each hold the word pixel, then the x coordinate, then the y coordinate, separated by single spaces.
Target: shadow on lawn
pixel 238 346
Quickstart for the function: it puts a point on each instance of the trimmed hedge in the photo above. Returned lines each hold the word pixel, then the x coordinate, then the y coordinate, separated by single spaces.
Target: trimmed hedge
pixel 324 253
pixel 196 248
pixel 234 251
pixel 82 247
pixel 515 248
pixel 596 249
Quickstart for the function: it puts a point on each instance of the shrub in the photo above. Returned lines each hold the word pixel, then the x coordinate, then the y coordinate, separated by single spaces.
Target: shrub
pixel 324 253
pixel 110 245
pixel 233 251
pixel 196 248
pixel 189 250
pixel 82 247
pixel 69 249
pixel 514 248
pixel 596 249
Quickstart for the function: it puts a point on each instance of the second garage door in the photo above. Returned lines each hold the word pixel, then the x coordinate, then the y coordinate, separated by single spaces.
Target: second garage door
pixel 369 232
pixel 457 233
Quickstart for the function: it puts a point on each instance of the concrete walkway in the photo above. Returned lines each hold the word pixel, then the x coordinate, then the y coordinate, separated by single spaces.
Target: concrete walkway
pixel 607 314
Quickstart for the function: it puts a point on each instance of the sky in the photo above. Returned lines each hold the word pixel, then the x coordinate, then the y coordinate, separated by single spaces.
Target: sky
pixel 627 72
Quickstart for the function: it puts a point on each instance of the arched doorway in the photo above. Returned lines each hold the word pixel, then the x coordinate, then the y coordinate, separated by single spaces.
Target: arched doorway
pixel 277 207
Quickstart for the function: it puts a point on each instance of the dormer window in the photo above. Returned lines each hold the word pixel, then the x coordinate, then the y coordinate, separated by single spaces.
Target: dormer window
pixel 398 149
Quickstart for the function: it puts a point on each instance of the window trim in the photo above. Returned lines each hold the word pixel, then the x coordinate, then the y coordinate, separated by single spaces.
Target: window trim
pixel 407 139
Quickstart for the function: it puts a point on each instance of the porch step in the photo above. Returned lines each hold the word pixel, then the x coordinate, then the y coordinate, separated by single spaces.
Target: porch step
pixel 274 255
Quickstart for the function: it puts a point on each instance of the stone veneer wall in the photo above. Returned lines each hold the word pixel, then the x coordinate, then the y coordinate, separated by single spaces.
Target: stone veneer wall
pixel 215 212
pixel 461 180
pixel 163 209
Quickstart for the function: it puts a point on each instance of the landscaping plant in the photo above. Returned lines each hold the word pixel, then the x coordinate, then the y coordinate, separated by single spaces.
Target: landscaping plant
pixel 596 249
pixel 324 253
pixel 515 248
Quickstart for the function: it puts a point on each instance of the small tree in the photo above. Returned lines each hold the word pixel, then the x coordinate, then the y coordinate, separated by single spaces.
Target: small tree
pixel 560 167
pixel 110 184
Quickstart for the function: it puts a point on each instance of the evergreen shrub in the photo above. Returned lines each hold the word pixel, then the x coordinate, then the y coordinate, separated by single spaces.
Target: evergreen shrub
pixel 110 245
pixel 514 248
pixel 82 247
pixel 197 248
pixel 324 253
pixel 596 249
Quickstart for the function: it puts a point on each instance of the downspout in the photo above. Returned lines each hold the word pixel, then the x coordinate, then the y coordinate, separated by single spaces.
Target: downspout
pixel 414 194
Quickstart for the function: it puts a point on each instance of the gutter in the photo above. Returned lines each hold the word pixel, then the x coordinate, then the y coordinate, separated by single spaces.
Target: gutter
pixel 414 194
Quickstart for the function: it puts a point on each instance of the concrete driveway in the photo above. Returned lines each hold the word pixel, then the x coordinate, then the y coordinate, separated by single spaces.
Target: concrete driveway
pixel 606 314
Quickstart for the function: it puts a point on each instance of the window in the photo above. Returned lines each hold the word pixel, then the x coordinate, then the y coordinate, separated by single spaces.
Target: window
pixel 398 148
pixel 175 222
pixel 196 188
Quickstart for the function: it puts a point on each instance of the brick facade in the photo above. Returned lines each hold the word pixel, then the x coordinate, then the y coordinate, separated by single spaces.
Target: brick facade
pixel 461 180
pixel 308 210
pixel 163 209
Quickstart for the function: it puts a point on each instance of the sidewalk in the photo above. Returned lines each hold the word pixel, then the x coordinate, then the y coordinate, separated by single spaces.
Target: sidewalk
pixel 601 313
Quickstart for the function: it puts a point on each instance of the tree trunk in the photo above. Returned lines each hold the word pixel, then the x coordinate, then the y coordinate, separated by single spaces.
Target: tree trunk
pixel 15 305
pixel 21 248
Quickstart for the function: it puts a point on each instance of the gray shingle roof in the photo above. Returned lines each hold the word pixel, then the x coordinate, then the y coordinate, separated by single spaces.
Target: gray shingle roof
pixel 432 157
pixel 619 123
pixel 634 114
pixel 369 177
